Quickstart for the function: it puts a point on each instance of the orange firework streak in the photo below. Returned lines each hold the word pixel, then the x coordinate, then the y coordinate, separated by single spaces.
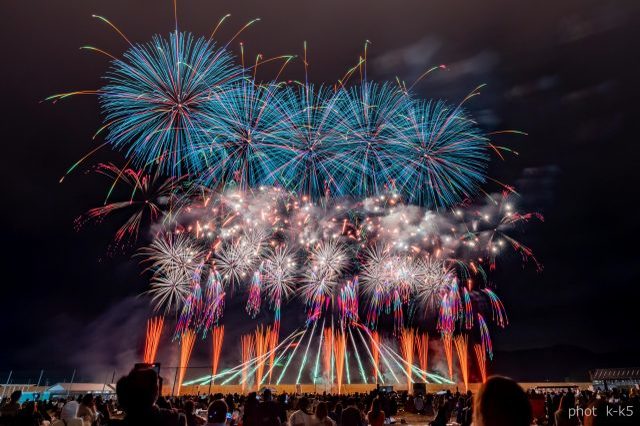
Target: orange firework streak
pixel 422 345
pixel 273 342
pixel 186 346
pixel 481 356
pixel 340 348
pixel 152 340
pixel 447 344
pixel 217 336
pixel 262 339
pixel 462 348
pixel 327 352
pixel 407 340
pixel 375 353
pixel 246 344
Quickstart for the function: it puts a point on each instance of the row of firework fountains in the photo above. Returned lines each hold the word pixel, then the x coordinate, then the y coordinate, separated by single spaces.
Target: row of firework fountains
pixel 353 200
pixel 260 357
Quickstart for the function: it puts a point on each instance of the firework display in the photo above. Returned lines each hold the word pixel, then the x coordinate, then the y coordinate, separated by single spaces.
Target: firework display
pixel 187 341
pixel 356 203
pixel 149 196
pixel 157 100
pixel 447 346
pixel 247 348
pixel 217 337
pixel 407 341
pixel 462 348
pixel 481 357
pixel 422 348
pixel 152 340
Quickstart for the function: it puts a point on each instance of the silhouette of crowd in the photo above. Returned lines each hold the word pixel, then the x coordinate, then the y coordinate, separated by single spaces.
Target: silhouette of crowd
pixel 499 402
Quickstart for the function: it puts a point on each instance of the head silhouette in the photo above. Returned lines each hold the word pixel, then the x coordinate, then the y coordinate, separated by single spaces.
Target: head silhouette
pixel 138 391
pixel 501 402
pixel 217 412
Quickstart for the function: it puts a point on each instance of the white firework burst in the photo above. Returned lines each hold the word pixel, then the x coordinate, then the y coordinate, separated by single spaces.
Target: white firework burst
pixel 327 261
pixel 171 252
pixel 169 290
pixel 279 273
pixel 433 280
pixel 239 258
pixel 379 272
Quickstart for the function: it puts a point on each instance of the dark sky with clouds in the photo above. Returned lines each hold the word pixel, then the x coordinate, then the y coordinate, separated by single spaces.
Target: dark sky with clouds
pixel 564 72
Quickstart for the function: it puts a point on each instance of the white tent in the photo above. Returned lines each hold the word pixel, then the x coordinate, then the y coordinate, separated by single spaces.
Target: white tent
pixel 81 388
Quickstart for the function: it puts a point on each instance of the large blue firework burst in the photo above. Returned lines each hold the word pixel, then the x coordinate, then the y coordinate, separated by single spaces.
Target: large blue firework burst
pixel 309 120
pixel 248 145
pixel 444 155
pixel 181 105
pixel 368 152
pixel 156 100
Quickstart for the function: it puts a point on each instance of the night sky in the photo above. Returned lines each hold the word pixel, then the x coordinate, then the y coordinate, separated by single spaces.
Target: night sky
pixel 564 72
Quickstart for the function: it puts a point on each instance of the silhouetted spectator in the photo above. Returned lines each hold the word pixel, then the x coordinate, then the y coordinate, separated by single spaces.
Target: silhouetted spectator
pixel 563 416
pixel 250 415
pixel 11 407
pixel 336 414
pixel 137 394
pixel 87 409
pixel 268 411
pixel 28 415
pixel 190 414
pixel 501 402
pixel 322 415
pixel 302 416
pixel 441 418
pixel 376 416
pixel 351 415
pixel 69 415
pixel 217 413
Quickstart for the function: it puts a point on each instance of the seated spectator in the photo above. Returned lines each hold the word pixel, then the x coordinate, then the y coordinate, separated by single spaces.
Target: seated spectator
pixel 322 415
pixel 102 410
pixel 336 414
pixel 418 404
pixel 29 415
pixel 217 413
pixel 302 416
pixel 562 416
pixel 11 407
pixel 351 415
pixel 190 413
pixel 137 394
pixel 268 411
pixel 441 418
pixel 250 413
pixel 467 412
pixel 501 402
pixel 87 409
pixel 375 416
pixel 69 415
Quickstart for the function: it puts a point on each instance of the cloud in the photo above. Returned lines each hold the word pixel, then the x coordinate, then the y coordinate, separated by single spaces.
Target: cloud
pixel 411 59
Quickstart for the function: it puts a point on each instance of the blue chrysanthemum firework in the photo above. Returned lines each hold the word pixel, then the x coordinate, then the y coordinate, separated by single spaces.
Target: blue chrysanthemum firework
pixel 309 122
pixel 156 100
pixel 367 152
pixel 248 143
pixel 444 155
